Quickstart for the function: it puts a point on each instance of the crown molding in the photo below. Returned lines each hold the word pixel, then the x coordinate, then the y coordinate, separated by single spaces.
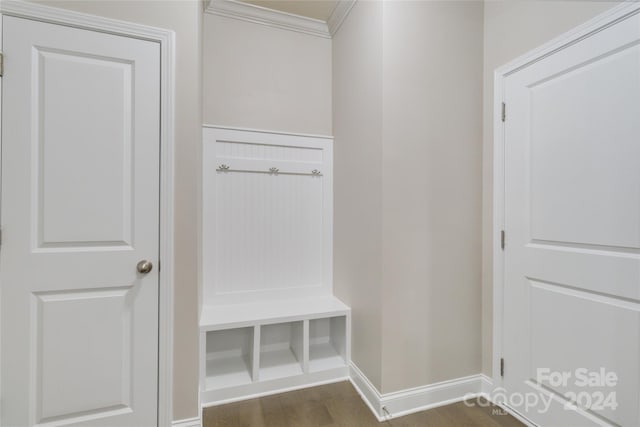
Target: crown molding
pixel 269 17
pixel 285 21
pixel 340 12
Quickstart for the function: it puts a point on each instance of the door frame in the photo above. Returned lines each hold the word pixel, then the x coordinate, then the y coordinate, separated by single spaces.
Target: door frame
pixel 584 31
pixel 166 40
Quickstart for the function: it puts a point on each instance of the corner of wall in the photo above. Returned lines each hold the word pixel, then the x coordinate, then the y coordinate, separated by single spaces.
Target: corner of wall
pixel 397 404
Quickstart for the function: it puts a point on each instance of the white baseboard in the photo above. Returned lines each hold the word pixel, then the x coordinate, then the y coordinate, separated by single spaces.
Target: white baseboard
pixel 221 396
pixel 190 422
pixel 282 385
pixel 487 385
pixel 397 404
pixel 404 402
pixel 368 392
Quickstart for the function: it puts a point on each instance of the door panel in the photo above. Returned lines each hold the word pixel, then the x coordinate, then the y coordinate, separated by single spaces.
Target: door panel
pixel 80 208
pixel 572 218
pixel 581 124
pixel 64 345
pixel 96 209
pixel 585 340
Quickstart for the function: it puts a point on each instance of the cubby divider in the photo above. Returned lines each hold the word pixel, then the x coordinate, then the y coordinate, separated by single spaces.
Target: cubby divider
pixel 254 356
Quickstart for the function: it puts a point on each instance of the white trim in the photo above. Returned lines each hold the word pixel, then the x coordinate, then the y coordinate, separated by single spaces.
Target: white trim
pixel 368 392
pixel 400 403
pixel 166 39
pixel 274 391
pixel 486 386
pixel 189 422
pixel 40 12
pixel 498 225
pixel 282 20
pixel 431 396
pixel 339 14
pixel 595 25
pixel 1 79
pixel 269 17
pixel 581 32
pixel 305 135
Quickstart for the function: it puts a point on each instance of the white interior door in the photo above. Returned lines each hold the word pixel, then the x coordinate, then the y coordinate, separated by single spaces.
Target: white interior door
pixel 80 184
pixel 572 216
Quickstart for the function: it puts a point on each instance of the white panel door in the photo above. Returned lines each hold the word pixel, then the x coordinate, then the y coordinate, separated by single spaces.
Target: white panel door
pixel 80 183
pixel 572 216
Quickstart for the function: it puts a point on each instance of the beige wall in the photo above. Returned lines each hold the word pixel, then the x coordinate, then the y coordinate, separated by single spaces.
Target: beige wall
pixel 183 17
pixel 511 28
pixel 431 191
pixel 407 122
pixel 357 128
pixel 261 77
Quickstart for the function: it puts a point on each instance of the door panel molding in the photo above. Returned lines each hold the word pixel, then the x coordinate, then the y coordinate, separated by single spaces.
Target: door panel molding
pixel 607 19
pixel 166 40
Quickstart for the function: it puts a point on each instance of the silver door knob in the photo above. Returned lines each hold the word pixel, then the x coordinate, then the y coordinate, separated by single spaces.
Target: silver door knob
pixel 144 266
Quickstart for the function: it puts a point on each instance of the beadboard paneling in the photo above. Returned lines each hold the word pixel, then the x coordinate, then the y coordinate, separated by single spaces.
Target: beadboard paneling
pixel 265 234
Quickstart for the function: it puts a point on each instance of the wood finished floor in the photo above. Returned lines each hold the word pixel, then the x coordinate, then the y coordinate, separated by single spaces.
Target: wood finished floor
pixel 340 405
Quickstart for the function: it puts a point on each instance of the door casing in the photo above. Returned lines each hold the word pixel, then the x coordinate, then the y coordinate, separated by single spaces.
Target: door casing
pixel 166 40
pixel 606 19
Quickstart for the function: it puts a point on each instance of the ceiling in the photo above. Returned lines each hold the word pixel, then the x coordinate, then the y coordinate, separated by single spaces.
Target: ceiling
pixel 316 9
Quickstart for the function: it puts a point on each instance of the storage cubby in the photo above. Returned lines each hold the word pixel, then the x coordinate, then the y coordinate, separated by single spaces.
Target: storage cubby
pixel 269 321
pixel 327 343
pixel 229 357
pixel 281 350
pixel 260 348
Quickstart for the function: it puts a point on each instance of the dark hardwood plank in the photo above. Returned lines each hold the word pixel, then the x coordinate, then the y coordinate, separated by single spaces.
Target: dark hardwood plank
pixel 424 418
pixel 221 416
pixel 272 412
pixel 340 405
pixel 351 413
pixel 250 414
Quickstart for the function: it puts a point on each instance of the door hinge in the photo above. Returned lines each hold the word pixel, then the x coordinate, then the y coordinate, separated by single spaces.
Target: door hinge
pixel 502 367
pixel 0 236
pixel 504 111
pixel 1 64
pixel 503 238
